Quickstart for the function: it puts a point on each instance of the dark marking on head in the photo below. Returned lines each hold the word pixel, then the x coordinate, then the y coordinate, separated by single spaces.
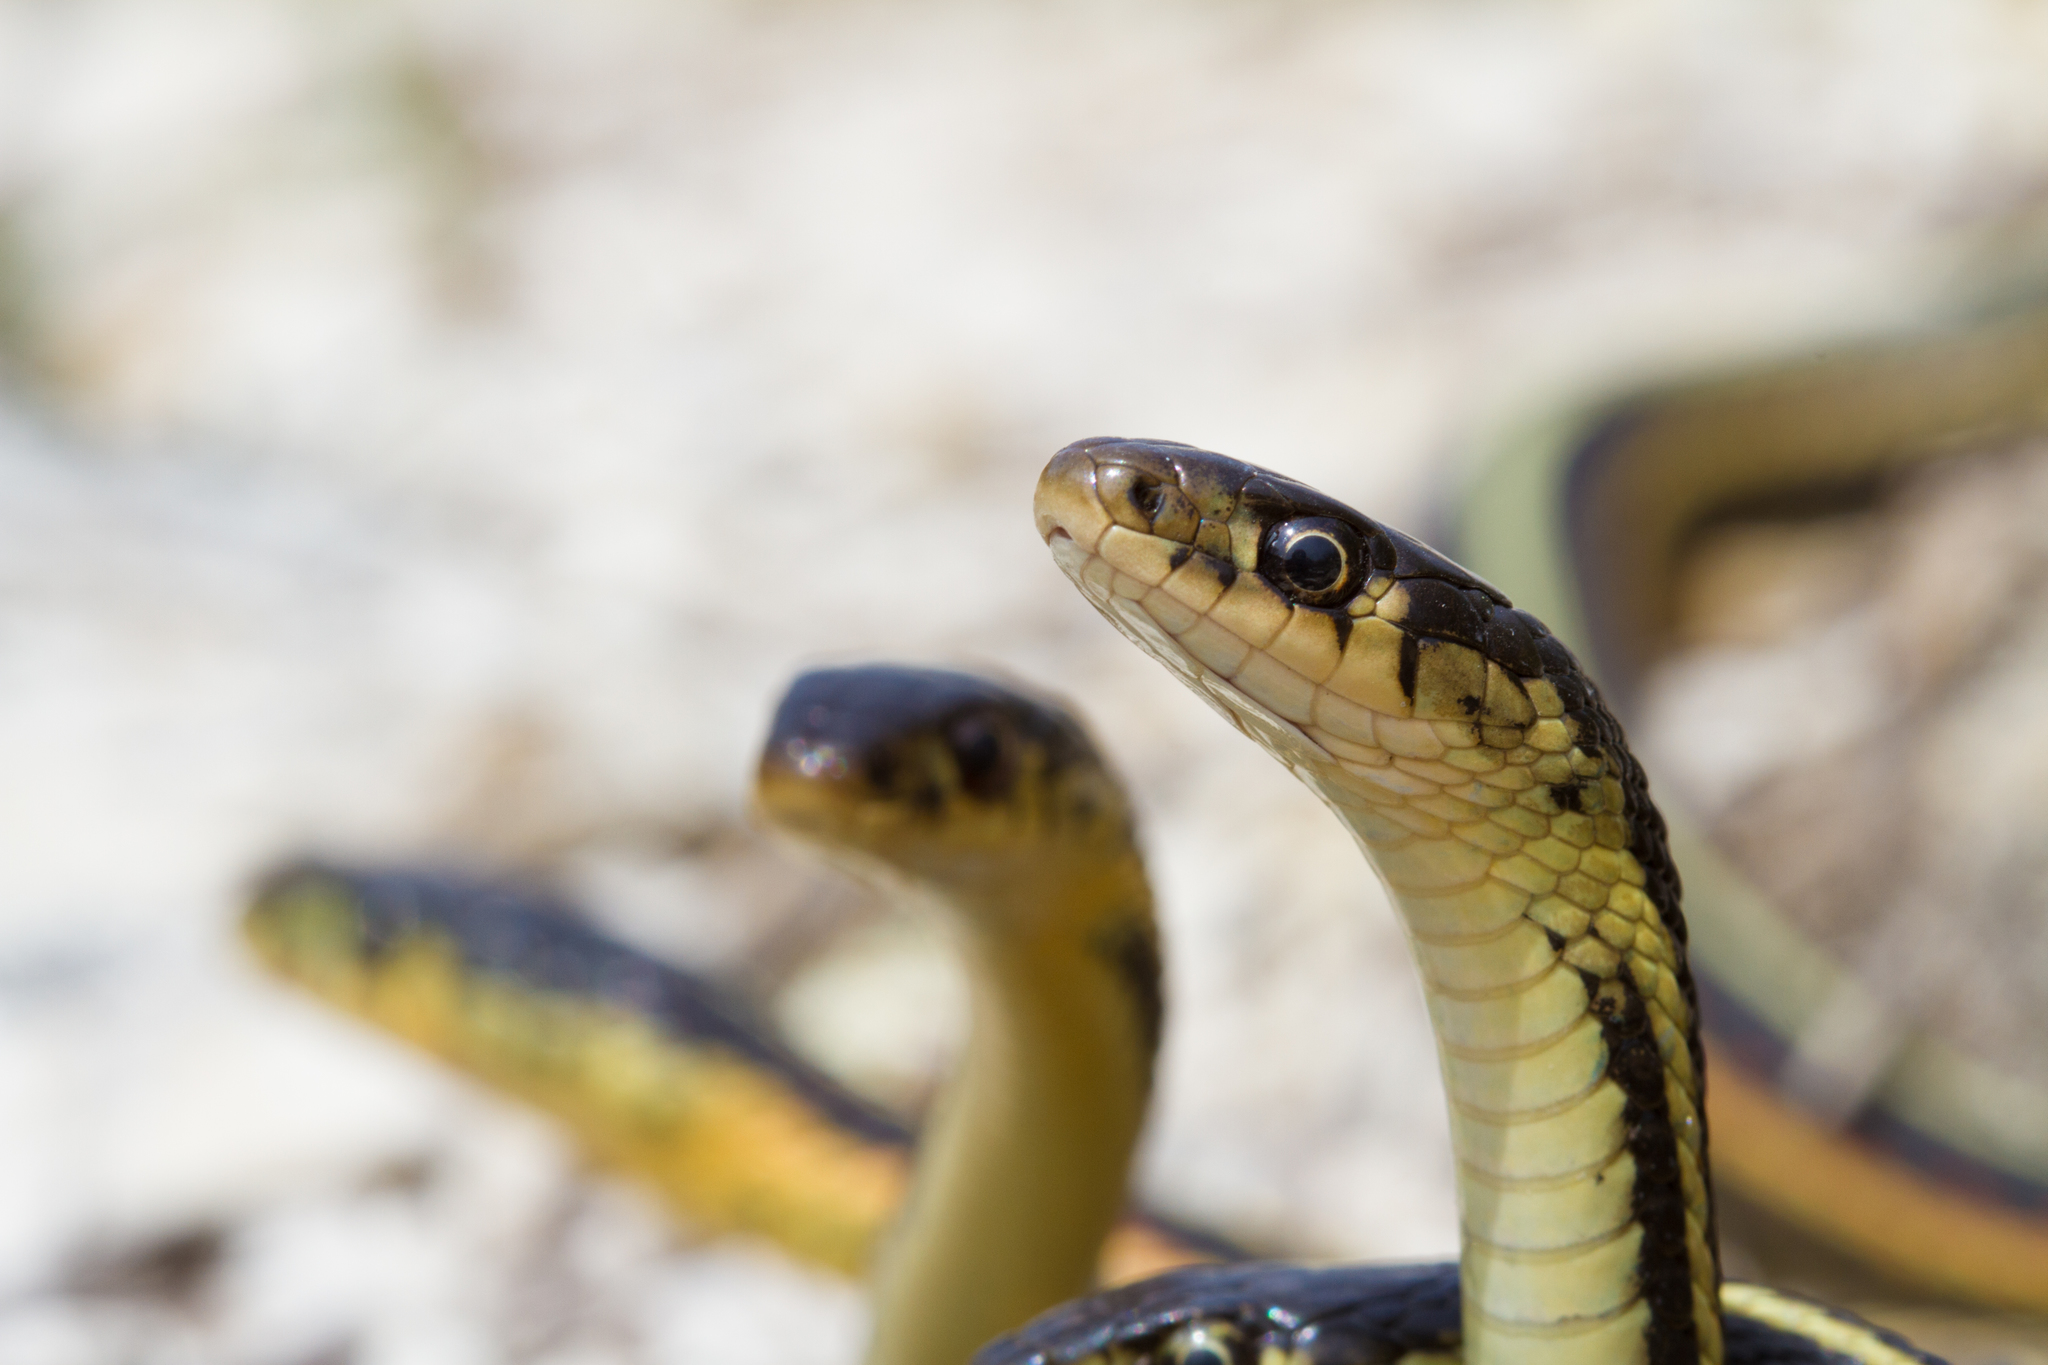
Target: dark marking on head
pixel 1341 621
pixel 1556 940
pixel 1569 795
pixel 984 754
pixel 1414 560
pixel 1181 554
pixel 879 727
pixel 1226 572
pixel 1411 657
pixel 1510 641
pixel 1130 946
pixel 1444 611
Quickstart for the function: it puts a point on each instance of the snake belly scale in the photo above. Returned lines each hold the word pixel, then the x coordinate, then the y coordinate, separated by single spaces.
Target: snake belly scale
pixel 1490 787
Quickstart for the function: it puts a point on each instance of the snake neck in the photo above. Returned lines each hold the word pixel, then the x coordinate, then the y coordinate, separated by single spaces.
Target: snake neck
pixel 1492 790
pixel 1022 1169
pixel 1542 908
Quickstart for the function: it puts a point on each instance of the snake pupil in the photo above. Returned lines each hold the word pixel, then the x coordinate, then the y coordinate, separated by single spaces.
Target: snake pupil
pixel 1315 558
pixel 1314 562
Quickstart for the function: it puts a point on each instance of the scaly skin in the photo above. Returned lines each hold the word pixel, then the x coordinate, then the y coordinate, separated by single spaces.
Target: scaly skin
pixel 1492 791
pixel 654 1075
pixel 991 807
pixel 995 809
pixel 1931 1181
pixel 1265 1314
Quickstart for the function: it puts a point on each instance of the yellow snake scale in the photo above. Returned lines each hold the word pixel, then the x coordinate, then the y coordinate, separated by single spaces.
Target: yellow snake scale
pixel 1491 788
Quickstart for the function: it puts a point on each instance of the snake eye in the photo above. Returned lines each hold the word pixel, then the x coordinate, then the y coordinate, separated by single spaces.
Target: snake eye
pixel 981 754
pixel 1315 559
pixel 1202 1343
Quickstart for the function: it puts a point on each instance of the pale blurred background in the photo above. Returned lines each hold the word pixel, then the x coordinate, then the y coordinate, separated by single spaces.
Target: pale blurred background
pixel 444 426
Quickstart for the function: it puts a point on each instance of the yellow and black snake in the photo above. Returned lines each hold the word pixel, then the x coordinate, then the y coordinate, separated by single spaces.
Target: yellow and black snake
pixel 1477 766
pixel 1940 1176
pixel 994 808
pixel 987 803
pixel 1491 789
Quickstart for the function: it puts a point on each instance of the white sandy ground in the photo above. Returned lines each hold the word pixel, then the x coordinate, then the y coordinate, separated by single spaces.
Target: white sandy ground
pixel 445 425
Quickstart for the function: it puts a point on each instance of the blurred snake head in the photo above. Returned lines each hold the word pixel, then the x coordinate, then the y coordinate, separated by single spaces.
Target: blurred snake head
pixel 1318 631
pixel 945 779
pixel 305 922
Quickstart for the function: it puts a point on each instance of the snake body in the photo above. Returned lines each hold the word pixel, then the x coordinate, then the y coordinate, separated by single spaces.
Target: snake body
pixel 1939 1176
pixel 994 809
pixel 1376 1315
pixel 1491 789
pixel 657 1073
pixel 929 781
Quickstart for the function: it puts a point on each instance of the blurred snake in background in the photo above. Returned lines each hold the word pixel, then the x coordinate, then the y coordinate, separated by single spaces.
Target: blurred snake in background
pixel 1613 499
pixel 1492 791
pixel 1938 1173
pixel 989 806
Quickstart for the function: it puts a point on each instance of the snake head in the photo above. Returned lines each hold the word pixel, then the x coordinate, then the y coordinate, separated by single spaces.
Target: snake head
pixel 937 777
pixel 1314 549
pixel 1317 630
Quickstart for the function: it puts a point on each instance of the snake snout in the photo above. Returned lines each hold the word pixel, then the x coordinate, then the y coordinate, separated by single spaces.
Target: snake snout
pixel 1066 502
pixel 1095 484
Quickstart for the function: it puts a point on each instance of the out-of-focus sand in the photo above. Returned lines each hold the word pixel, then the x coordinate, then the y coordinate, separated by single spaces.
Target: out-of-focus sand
pixel 443 426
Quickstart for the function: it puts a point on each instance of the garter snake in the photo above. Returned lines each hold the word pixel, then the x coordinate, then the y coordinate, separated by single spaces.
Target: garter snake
pixel 1939 1177
pixel 1492 791
pixel 939 784
pixel 654 1070
pixel 996 810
